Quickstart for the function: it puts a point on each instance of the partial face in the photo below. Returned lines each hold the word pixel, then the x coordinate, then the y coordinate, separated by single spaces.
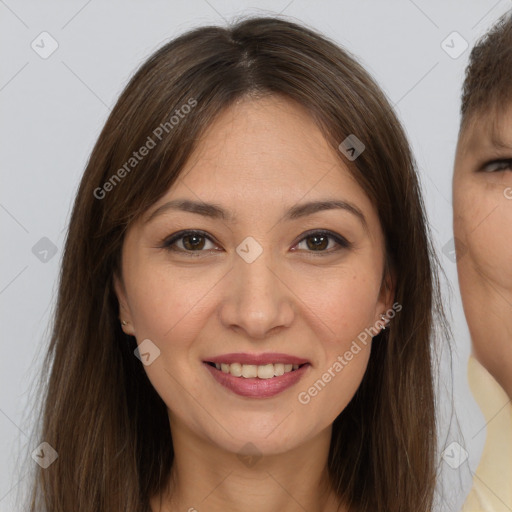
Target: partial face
pixel 482 194
pixel 246 255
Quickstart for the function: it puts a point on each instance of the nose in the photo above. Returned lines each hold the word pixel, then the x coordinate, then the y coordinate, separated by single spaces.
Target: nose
pixel 257 300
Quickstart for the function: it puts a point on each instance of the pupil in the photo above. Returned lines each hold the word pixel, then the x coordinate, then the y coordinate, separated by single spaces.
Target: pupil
pixel 196 242
pixel 319 242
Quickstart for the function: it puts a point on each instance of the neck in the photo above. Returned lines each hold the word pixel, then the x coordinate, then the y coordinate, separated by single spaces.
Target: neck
pixel 207 477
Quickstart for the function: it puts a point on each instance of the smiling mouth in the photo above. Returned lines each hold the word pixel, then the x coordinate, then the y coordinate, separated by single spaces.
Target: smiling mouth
pixel 251 371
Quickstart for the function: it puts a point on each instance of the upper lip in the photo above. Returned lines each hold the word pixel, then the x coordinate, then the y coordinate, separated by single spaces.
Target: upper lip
pixel 257 359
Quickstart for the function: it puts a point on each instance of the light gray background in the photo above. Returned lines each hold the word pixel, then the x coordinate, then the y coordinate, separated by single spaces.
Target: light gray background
pixel 53 110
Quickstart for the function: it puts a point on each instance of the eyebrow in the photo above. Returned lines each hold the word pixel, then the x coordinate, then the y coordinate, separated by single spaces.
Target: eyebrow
pixel 215 211
pixel 488 149
pixel 493 138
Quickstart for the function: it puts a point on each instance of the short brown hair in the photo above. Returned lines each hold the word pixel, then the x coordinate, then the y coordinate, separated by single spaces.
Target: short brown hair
pixel 488 80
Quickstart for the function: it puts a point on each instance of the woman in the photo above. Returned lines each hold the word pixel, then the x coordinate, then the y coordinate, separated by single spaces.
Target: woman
pixel 248 290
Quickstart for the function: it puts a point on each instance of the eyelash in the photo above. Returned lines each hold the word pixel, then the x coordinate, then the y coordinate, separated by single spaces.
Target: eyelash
pixel 506 161
pixel 169 242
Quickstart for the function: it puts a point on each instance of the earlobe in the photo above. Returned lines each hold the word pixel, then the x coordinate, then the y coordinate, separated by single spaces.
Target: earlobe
pixel 124 310
pixel 386 298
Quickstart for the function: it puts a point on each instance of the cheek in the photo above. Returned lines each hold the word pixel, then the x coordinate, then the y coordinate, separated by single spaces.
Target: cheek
pixel 170 307
pixel 344 299
pixel 340 310
pixel 168 302
pixel 483 223
pixel 330 388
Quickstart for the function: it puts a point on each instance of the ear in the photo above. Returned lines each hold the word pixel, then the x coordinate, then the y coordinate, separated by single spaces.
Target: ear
pixel 125 316
pixel 386 296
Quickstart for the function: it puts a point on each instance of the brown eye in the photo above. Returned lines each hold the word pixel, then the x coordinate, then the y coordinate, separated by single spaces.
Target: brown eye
pixel 188 241
pixel 320 241
pixel 317 242
pixel 193 242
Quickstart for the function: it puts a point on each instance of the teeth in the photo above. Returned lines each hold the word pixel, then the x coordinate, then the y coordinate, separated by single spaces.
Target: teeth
pixel 266 372
pixel 235 369
pixel 251 371
pixel 279 369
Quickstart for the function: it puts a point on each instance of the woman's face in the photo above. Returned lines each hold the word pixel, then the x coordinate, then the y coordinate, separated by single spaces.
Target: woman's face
pixel 273 268
pixel 482 202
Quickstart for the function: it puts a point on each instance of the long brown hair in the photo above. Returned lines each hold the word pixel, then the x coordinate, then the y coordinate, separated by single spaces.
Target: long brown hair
pixel 100 412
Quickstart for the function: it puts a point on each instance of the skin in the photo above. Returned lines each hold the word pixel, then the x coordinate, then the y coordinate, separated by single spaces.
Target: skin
pixel 482 202
pixel 257 160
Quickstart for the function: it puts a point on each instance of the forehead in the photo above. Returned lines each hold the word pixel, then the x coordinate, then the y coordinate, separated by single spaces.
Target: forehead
pixel 270 142
pixel 271 126
pixel 487 131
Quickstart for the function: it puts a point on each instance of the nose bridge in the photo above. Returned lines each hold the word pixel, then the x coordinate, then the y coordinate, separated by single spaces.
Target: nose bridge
pixel 257 300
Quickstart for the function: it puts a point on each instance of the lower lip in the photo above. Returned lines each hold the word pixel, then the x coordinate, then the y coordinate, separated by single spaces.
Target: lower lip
pixel 255 387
